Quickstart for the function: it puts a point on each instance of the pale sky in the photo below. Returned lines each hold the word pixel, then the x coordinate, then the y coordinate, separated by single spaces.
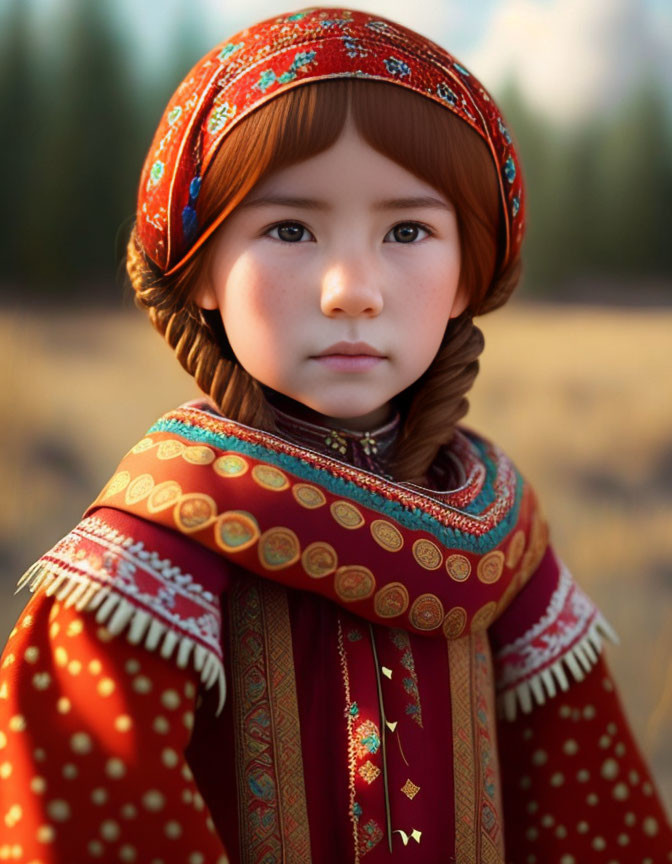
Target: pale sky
pixel 570 57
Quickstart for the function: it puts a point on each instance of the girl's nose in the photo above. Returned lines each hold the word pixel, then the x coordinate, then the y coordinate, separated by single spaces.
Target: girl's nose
pixel 351 288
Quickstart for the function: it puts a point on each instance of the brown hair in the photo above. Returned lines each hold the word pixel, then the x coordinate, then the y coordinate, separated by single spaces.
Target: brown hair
pixel 418 134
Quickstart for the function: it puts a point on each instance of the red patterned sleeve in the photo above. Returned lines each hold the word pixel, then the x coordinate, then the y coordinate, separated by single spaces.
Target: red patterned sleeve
pixel 574 783
pixel 93 733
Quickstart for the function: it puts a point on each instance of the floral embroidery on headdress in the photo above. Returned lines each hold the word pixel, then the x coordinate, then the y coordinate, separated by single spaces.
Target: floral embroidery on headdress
pixel 261 62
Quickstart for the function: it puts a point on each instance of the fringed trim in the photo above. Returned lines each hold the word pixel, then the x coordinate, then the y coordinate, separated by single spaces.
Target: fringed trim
pixel 117 614
pixel 578 660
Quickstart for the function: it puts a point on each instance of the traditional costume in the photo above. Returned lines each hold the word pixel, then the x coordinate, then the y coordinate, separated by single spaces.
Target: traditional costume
pixel 260 647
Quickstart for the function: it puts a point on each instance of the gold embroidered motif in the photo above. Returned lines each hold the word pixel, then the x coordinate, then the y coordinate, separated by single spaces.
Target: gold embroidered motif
pixel 199 454
pixel 164 495
pixel 483 618
pixel 309 496
pixel 491 567
pixel 278 548
pixel 139 488
pixel 427 554
pixel 346 514
pixel 194 511
pixel 458 567
pixel 236 530
pixel 231 465
pixel 269 477
pixel 319 559
pixel 387 535
pixel 169 449
pixel 426 612
pixel 117 484
pixel 515 550
pixel 391 600
pixel 369 772
pixel 354 583
pixel 454 622
pixel 410 790
pixel 143 445
pixel 414 835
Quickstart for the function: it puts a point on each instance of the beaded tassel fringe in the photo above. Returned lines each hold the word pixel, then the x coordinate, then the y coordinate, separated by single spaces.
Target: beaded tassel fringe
pixel 579 660
pixel 117 614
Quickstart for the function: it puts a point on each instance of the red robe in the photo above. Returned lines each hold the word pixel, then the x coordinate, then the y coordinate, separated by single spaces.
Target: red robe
pixel 340 738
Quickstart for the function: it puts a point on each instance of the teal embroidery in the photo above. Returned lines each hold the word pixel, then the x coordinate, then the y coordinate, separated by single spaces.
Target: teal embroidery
pixel 410 517
pixel 357 810
pixel 266 78
pixel 371 742
pixel 401 640
pixel 229 49
pixel 174 115
pixel 156 173
pixel 510 170
pixel 353 710
pixel 354 635
pixel 220 116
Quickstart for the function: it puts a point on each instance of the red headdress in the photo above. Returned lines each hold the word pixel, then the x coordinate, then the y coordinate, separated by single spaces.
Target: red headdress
pixel 261 62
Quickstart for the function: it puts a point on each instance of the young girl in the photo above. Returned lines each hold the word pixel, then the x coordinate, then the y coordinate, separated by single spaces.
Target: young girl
pixel 281 631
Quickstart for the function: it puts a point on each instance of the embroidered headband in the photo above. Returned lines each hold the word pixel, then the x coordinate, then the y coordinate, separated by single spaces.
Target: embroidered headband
pixel 276 55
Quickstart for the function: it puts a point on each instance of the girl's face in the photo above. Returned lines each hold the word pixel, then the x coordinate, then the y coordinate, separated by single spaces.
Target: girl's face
pixel 335 279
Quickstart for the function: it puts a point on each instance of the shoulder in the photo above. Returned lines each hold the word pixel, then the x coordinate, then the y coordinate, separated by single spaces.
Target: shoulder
pixel 143 580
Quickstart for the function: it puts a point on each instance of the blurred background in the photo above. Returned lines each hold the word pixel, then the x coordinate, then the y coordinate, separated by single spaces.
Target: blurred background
pixel 575 377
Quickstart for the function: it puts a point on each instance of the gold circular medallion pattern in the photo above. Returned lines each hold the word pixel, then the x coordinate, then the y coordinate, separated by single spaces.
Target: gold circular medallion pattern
pixel 427 554
pixel 194 511
pixel 319 559
pixel 387 535
pixel 354 583
pixel 515 550
pixel 236 530
pixel 143 445
pixel 454 622
pixel 426 612
pixel 491 567
pixel 139 488
pixel 230 465
pixel 308 496
pixel 269 477
pixel 170 449
pixel 483 618
pixel 391 600
pixel 458 567
pixel 199 454
pixel 346 514
pixel 163 496
pixel 278 548
pixel 117 484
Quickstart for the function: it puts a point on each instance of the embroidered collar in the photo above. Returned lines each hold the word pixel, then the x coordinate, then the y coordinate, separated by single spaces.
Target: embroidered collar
pixel 369 449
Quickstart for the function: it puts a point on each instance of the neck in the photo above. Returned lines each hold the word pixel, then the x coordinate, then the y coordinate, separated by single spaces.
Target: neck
pixel 381 416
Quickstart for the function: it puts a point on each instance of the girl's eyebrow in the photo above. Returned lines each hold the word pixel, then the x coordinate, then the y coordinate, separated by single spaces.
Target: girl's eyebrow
pixel 314 204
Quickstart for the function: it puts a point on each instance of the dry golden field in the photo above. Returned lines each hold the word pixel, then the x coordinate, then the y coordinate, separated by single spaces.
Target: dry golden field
pixel 579 397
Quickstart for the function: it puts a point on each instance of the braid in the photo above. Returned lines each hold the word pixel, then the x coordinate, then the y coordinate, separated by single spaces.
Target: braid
pixel 199 340
pixel 438 400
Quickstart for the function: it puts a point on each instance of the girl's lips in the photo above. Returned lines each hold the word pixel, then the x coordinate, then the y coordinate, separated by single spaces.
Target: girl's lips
pixel 349 362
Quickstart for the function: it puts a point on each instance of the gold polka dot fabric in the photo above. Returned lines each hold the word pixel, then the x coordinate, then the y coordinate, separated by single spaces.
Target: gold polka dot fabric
pixel 93 734
pixel 575 786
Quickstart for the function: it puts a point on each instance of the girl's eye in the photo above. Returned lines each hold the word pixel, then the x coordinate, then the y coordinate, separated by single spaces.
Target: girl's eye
pixel 289 232
pixel 407 232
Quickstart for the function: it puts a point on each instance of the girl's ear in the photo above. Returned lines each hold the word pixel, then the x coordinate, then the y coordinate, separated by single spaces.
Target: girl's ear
pixel 205 296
